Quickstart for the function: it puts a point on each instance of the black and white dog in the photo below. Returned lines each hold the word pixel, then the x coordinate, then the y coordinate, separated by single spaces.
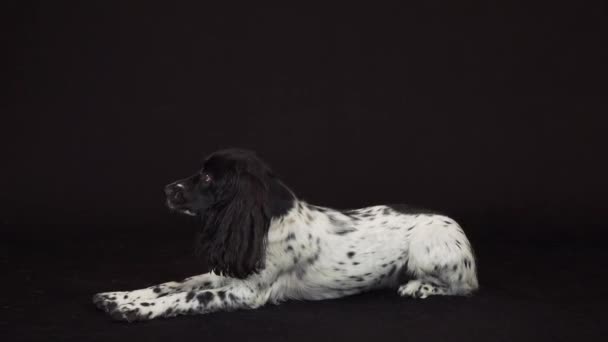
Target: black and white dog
pixel 264 245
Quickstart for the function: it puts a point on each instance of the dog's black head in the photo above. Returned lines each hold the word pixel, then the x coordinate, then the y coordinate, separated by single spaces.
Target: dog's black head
pixel 235 195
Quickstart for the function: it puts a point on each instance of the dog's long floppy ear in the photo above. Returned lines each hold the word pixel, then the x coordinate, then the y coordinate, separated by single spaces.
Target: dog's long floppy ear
pixel 233 238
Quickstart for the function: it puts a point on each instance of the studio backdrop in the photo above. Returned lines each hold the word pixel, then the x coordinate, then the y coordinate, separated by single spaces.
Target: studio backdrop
pixel 493 119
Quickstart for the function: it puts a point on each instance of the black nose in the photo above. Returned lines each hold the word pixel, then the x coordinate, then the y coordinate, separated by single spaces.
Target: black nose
pixel 175 193
pixel 173 188
pixel 169 190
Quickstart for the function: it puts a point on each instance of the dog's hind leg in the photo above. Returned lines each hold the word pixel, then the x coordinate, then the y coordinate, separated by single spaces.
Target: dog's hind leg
pixel 440 261
pixel 421 289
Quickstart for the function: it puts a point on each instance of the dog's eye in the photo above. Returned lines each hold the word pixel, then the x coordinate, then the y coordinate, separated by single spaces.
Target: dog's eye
pixel 206 178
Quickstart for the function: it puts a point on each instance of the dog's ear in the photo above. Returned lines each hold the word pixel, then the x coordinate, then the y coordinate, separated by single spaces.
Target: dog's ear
pixel 235 228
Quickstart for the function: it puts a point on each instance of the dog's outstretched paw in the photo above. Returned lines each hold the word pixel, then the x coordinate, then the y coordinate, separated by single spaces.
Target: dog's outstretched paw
pixel 128 315
pixel 104 302
pixel 121 310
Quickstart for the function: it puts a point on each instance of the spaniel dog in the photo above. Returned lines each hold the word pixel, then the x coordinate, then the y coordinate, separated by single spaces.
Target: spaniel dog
pixel 264 245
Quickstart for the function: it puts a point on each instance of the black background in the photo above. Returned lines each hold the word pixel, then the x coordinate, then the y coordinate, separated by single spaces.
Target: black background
pixel 490 112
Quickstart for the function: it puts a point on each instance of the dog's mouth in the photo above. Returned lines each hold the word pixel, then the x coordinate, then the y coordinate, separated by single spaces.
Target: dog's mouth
pixel 179 208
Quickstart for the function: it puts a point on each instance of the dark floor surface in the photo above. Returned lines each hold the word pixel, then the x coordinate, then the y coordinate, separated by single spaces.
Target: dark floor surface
pixel 531 291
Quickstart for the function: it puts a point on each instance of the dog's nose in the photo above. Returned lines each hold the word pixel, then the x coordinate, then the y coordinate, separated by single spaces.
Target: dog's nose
pixel 172 188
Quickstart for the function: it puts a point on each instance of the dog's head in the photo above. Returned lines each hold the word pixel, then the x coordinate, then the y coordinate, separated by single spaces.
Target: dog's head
pixel 235 195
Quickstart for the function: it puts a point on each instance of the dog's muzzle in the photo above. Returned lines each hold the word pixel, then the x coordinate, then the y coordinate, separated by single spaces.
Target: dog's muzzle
pixel 176 199
pixel 175 194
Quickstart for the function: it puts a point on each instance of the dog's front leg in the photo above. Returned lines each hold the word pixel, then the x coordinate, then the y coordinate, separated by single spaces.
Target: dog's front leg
pixel 110 300
pixel 239 294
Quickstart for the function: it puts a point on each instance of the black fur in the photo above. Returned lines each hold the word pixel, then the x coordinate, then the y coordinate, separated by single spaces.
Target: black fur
pixel 235 209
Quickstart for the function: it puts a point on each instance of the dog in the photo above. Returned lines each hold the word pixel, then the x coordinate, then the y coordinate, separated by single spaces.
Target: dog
pixel 264 245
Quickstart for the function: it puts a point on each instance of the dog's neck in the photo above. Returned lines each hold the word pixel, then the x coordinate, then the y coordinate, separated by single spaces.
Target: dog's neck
pixel 282 226
pixel 283 199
